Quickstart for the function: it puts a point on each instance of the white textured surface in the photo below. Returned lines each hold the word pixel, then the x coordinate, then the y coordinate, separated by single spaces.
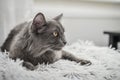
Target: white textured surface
pixel 105 66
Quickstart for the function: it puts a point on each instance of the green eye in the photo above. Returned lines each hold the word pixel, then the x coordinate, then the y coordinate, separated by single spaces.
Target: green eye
pixel 55 34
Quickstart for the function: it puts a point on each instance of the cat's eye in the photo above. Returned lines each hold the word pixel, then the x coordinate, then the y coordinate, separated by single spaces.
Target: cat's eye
pixel 55 34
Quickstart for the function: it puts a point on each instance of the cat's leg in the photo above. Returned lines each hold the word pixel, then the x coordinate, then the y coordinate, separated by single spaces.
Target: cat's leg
pixel 7 43
pixel 71 57
pixel 17 54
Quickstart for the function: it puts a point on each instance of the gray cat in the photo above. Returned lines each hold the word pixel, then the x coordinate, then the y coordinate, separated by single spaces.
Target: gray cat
pixel 38 41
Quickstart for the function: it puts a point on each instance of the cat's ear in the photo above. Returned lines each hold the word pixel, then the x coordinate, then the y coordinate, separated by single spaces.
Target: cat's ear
pixel 58 18
pixel 39 20
pixel 38 23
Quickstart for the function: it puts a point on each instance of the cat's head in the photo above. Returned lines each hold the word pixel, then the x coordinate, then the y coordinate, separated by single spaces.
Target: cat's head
pixel 48 33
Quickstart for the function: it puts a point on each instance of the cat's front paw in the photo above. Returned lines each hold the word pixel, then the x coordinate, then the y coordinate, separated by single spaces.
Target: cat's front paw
pixel 29 65
pixel 85 62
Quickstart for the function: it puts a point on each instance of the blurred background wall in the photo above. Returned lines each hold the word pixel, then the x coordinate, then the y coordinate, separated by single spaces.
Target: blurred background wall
pixel 13 12
pixel 83 19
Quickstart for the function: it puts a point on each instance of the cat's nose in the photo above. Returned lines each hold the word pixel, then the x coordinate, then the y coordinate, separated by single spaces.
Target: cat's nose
pixel 64 42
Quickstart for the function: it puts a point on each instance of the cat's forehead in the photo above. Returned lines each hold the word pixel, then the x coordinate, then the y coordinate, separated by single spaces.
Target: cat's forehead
pixel 55 25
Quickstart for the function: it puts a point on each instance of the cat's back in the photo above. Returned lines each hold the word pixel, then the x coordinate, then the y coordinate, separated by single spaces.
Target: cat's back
pixel 15 31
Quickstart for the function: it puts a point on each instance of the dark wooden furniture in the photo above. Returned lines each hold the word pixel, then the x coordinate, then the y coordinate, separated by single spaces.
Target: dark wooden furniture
pixel 114 38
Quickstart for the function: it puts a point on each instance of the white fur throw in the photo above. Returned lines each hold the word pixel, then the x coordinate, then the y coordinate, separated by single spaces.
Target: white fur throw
pixel 105 65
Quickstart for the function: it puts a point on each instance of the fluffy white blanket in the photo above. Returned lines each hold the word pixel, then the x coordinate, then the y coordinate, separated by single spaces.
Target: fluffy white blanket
pixel 105 66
